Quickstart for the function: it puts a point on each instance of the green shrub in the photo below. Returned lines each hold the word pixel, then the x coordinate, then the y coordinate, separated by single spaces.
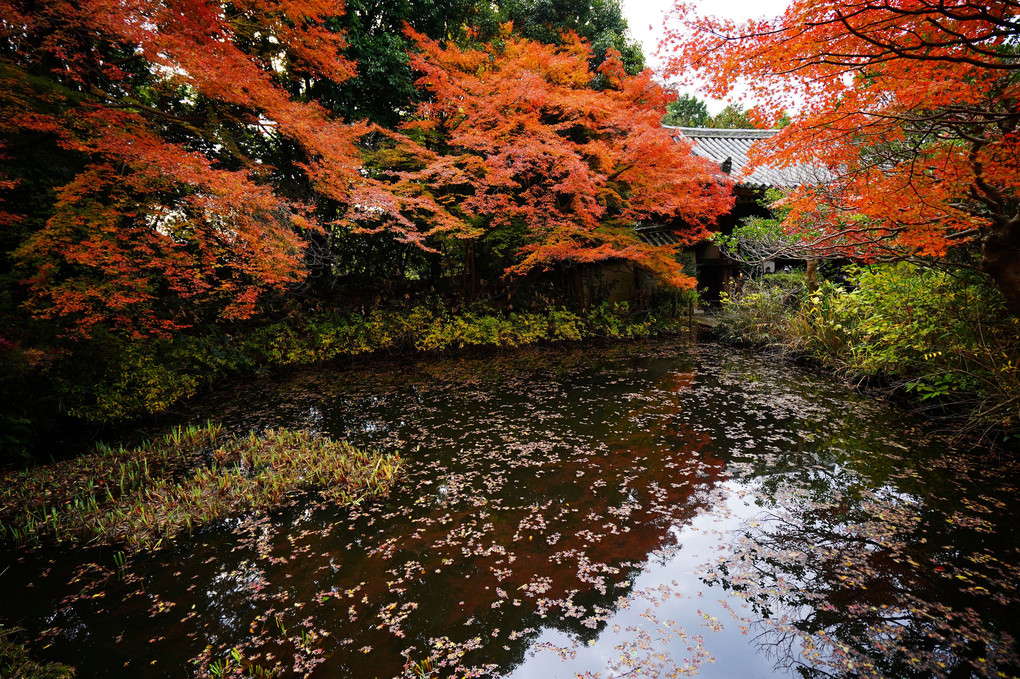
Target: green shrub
pixel 936 334
pixel 564 325
pixel 947 338
pixel 112 379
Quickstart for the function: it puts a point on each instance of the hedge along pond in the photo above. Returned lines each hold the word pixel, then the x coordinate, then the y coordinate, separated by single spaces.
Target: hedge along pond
pixel 653 509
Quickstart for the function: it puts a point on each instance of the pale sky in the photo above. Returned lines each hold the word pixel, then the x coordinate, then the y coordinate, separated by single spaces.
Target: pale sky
pixel 645 19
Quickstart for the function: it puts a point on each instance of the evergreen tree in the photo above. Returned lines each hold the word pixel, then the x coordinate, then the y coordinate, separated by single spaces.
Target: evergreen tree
pixel 686 111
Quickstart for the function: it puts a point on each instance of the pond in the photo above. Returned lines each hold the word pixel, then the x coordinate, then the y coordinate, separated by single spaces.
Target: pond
pixel 652 509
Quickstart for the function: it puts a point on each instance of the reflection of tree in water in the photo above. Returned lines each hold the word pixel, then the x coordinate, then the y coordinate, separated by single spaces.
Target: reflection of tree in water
pixel 529 510
pixel 898 577
pixel 536 537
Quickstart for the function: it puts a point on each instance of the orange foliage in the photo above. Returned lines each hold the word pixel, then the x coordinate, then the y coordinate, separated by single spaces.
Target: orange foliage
pixel 911 104
pixel 514 133
pixel 153 101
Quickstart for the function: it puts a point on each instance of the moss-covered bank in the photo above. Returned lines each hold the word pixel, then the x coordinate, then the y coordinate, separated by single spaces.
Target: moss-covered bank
pixel 138 378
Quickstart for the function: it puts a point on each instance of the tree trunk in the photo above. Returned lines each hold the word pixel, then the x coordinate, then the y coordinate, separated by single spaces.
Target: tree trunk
pixel 811 275
pixel 579 284
pixel 468 279
pixel 435 270
pixel 1000 259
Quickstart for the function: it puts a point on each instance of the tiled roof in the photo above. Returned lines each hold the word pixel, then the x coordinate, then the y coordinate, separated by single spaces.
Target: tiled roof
pixel 720 145
pixel 650 235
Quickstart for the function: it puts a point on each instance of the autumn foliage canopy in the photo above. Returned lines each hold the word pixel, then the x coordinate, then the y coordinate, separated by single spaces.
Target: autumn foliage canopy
pixel 515 134
pixel 192 165
pixel 911 105
pixel 156 107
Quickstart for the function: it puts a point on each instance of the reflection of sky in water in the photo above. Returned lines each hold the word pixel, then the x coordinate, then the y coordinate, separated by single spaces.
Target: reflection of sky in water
pixel 675 595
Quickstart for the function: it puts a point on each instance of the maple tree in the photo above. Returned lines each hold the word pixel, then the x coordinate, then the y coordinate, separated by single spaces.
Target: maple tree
pixel 911 105
pixel 383 89
pixel 164 118
pixel 515 138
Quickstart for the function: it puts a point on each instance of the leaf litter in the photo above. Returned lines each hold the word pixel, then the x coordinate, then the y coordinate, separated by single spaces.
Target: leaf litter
pixel 545 494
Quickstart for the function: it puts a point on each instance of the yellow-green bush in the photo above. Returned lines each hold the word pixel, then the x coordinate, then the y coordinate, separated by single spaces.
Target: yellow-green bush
pixel 947 337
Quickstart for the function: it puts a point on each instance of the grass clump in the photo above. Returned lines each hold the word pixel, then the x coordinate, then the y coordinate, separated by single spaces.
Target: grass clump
pixel 17 663
pixel 145 495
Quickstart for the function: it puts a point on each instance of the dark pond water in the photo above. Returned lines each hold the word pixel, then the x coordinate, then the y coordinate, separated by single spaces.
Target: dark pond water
pixel 651 510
